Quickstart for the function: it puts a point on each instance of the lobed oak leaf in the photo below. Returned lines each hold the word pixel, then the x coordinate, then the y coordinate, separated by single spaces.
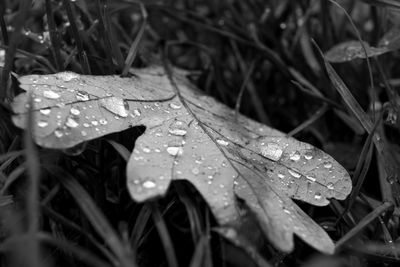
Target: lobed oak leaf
pixel 190 136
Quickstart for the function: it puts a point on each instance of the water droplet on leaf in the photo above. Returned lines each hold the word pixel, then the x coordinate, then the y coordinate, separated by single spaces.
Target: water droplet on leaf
pixel 175 105
pixel 295 156
pixel 42 124
pixel 51 94
pixel 175 150
pixel 82 96
pixel 115 105
pixel 294 173
pixel 272 151
pixel 222 142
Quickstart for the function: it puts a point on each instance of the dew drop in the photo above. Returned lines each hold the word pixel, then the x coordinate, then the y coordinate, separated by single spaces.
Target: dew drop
pixel 146 150
pixel 294 174
pixel 137 112
pixel 37 100
pixel 179 132
pixel 195 171
pixel 95 123
pixel 86 125
pixel 175 105
pixel 330 186
pixel 308 155
pixel 74 111
pixel 149 184
pixel 115 105
pixel 83 133
pixel 82 96
pixel 222 142
pixel 175 150
pixel 317 196
pixel 327 165
pixel 58 133
pixel 45 111
pixel 281 175
pixel 51 94
pixel 103 121
pixel 42 124
pixel 272 150
pixel 71 123
pixel 67 76
pixel 295 156
pixel 311 178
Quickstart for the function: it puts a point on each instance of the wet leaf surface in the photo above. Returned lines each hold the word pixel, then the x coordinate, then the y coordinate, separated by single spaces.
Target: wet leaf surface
pixel 190 136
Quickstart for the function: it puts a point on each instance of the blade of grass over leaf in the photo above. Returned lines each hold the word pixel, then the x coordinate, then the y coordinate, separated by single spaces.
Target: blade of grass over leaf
pixel 95 216
pixel 134 46
pixel 164 235
pixel 12 48
pixel 363 223
pixel 32 199
pixel 78 40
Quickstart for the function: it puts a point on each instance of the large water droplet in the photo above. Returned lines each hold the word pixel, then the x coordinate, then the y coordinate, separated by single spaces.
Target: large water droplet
pixel 74 111
pixel 272 150
pixel 222 142
pixel 330 186
pixel 136 112
pixel 295 156
pixel 51 94
pixel 71 123
pixel 45 111
pixel 58 133
pixel 327 165
pixel 42 124
pixel 174 105
pixel 294 173
pixel 311 178
pixel 175 150
pixel 149 184
pixel 115 105
pixel 308 155
pixel 82 96
pixel 67 76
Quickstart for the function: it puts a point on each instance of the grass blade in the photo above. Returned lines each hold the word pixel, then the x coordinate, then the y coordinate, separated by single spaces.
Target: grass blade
pixel 363 223
pixel 95 216
pixel 32 200
pixel 164 236
pixel 134 47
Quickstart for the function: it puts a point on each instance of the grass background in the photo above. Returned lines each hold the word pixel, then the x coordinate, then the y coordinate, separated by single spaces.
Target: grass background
pixel 80 212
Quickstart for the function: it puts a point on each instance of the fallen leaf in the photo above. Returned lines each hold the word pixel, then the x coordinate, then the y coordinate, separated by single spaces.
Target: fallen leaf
pixel 351 50
pixel 190 136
